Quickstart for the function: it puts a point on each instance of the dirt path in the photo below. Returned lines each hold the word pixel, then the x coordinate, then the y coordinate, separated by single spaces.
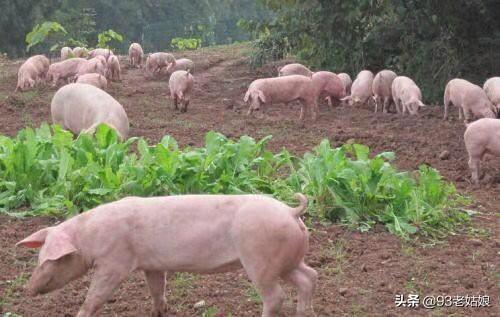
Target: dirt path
pixel 359 273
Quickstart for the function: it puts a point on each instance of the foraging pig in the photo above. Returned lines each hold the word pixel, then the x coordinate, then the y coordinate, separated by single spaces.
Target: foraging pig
pixel 329 84
pixel 80 52
pixel 102 52
pixel 181 84
pixel 295 69
pixel 267 91
pixel 163 235
pixel 407 95
pixel 180 64
pixel 346 79
pixel 469 98
pixel 361 89
pixel 156 61
pixel 492 89
pixel 93 79
pixel 64 70
pixel 66 53
pixel 27 75
pixel 481 137
pixel 81 108
pixel 135 55
pixel 382 89
pixel 93 65
pixel 114 70
pixel 42 66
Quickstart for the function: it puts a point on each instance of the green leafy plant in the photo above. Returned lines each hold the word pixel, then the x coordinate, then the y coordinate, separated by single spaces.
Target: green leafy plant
pixel 48 172
pixel 105 37
pixel 42 32
pixel 186 43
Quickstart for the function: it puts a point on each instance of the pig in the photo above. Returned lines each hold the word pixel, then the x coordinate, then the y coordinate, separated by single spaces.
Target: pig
pixel 114 70
pixel 65 70
pixel 135 55
pixel 156 61
pixel 93 79
pixel 407 95
pixel 80 52
pixel 27 75
pixel 100 51
pixel 492 89
pixel 346 79
pixel 329 84
pixel 192 233
pixel 180 64
pixel 382 89
pixel 361 89
pixel 42 66
pixel 469 98
pixel 285 89
pixel 181 84
pixel 66 53
pixel 295 69
pixel 93 65
pixel 481 137
pixel 82 107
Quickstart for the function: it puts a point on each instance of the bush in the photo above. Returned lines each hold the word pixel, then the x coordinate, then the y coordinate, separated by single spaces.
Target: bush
pixel 186 44
pixel 49 173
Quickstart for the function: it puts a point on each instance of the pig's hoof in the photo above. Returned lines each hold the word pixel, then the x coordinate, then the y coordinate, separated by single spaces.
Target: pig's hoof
pixel 158 313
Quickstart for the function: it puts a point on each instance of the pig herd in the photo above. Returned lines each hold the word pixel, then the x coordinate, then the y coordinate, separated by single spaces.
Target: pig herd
pixel 216 233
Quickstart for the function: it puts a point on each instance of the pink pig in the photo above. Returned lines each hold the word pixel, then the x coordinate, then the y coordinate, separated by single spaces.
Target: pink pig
pixel 181 84
pixel 162 235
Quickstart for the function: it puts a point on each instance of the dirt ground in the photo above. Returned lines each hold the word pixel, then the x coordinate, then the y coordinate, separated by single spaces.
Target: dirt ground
pixel 359 273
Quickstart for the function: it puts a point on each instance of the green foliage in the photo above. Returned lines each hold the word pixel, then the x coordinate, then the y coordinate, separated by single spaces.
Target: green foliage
pixel 186 44
pixel 430 41
pixel 41 32
pixel 107 36
pixel 47 172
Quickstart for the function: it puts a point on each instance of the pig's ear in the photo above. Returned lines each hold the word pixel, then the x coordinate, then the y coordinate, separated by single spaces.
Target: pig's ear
pixel 36 240
pixel 58 246
pixel 247 95
pixel 262 97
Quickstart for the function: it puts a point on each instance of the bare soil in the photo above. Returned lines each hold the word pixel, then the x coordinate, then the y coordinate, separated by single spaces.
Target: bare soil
pixel 359 273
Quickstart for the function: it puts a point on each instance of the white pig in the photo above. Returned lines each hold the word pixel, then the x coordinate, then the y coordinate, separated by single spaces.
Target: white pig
pixel 407 96
pixel 114 69
pixel 382 89
pixel 102 52
pixel 330 85
pixel 492 89
pixel 481 137
pixel 65 70
pixel 163 235
pixel 181 84
pixel 156 61
pixel 285 89
pixel 81 108
pixel 93 65
pixel 93 79
pixel 361 89
pixel 80 52
pixel 27 75
pixel 135 55
pixel 346 79
pixel 469 98
pixel 295 69
pixel 180 64
pixel 66 53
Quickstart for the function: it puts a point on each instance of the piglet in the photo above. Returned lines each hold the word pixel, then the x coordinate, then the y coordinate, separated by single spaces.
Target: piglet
pixel 481 137
pixel 162 235
pixel 114 70
pixel 181 84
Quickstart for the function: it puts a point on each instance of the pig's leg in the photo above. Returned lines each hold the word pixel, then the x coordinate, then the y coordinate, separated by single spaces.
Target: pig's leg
pixel 304 278
pixel 375 99
pixel 387 104
pixel 175 102
pixel 474 165
pixel 104 282
pixel 460 113
pixel 397 103
pixel 156 284
pixel 186 104
pixel 466 114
